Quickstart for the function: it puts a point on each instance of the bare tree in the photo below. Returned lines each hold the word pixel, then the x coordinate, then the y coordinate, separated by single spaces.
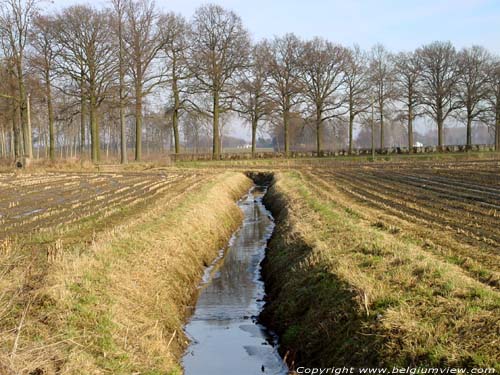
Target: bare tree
pixel 176 36
pixel 382 79
pixel 10 111
pixel 323 76
pixel 219 52
pixel 252 101
pixel 88 57
pixel 119 14
pixel 284 69
pixel 439 82
pixel 494 97
pixel 407 75
pixel 472 90
pixel 143 41
pixel 357 87
pixel 15 20
pixel 71 72
pixel 43 60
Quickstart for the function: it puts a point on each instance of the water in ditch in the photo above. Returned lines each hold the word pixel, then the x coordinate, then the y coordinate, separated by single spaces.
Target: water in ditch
pixel 225 337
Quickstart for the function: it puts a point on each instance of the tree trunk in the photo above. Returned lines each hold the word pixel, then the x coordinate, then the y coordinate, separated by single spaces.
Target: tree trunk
pixel 28 150
pixel 50 111
pixel 382 143
pixel 440 123
pixel 497 126
pixel 123 130
pixel 18 149
pixel 469 131
pixel 286 132
pixel 28 125
pixel 440 135
pixel 138 121
pixel 254 136
pixel 351 126
pixel 12 144
pixel 175 128
pixel 216 141
pixel 3 146
pixel 45 145
pixel 108 141
pixel 94 130
pixel 373 132
pixel 82 117
pixel 318 133
pixel 410 129
pixel 123 136
pixel 175 117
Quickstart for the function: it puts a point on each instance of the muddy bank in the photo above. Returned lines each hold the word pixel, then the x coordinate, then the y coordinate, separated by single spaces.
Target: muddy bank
pixel 119 307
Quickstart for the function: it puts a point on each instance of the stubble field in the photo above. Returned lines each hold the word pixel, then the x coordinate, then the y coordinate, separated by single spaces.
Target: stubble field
pixel 394 263
pixel 454 208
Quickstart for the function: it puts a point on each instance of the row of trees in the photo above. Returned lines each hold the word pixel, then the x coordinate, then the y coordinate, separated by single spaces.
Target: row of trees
pixel 90 66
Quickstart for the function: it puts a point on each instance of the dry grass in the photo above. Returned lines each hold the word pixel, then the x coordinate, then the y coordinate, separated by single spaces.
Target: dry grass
pixel 373 297
pixel 76 164
pixel 451 244
pixel 119 307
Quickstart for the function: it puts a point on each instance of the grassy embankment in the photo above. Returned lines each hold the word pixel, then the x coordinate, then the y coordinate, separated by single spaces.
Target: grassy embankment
pixel 345 292
pixel 118 304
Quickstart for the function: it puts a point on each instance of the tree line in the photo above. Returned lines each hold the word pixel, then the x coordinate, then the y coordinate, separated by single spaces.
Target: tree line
pixel 81 67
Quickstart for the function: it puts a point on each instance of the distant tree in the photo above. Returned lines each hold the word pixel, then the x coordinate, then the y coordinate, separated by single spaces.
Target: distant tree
pixel 10 108
pixel 43 61
pixel 284 69
pixel 494 97
pixel 439 82
pixel 219 51
pixel 16 17
pixel 407 76
pixel 323 77
pixel 197 129
pixel 252 100
pixel 357 87
pixel 176 33
pixel 119 8
pixel 382 78
pixel 143 41
pixel 472 88
pixel 88 55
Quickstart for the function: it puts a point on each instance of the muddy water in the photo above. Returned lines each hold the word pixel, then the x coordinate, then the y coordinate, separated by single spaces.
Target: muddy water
pixel 225 336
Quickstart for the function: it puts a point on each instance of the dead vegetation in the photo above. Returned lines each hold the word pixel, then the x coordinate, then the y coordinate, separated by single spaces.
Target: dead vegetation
pixel 450 210
pixel 340 273
pixel 387 263
pixel 38 203
pixel 114 300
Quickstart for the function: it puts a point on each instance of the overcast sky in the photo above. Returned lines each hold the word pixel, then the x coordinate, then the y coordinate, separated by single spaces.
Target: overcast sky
pixel 398 24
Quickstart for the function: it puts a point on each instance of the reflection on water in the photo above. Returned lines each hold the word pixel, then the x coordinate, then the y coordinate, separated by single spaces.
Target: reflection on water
pixel 225 337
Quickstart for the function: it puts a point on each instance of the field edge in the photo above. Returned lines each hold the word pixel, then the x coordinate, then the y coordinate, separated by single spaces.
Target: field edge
pixel 376 300
pixel 120 307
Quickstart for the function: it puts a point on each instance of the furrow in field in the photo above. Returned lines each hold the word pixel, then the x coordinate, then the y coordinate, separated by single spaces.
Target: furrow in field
pixel 377 196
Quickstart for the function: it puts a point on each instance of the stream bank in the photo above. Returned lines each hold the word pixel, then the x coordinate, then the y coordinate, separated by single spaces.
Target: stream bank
pixel 226 337
pixel 118 306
